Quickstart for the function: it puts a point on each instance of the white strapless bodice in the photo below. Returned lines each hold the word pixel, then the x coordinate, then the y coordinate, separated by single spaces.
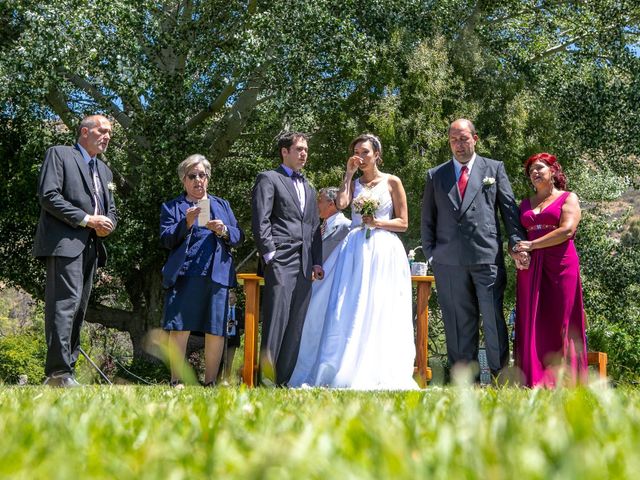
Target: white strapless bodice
pixel 381 192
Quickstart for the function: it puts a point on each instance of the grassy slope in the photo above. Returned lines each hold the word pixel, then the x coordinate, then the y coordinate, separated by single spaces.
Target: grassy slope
pixel 158 433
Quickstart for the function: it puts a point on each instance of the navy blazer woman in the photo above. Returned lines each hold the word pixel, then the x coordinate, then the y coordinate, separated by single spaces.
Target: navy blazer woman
pixel 175 236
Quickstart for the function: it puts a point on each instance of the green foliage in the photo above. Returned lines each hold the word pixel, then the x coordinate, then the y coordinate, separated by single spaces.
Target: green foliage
pixel 611 285
pixel 597 183
pixel 224 78
pixel 19 313
pixel 152 372
pixel 154 432
pixel 22 354
pixel 22 342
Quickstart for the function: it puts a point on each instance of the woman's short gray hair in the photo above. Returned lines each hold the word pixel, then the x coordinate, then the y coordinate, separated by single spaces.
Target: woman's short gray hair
pixel 190 162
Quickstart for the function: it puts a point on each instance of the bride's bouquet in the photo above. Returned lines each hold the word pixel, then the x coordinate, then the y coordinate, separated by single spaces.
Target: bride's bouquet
pixel 366 204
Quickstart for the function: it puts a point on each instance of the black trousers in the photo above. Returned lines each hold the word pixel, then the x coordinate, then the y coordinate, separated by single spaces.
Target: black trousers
pixel 67 291
pixel 465 293
pixel 286 298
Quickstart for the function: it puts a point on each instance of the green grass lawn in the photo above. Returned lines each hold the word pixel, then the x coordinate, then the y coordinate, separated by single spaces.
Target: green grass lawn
pixel 455 433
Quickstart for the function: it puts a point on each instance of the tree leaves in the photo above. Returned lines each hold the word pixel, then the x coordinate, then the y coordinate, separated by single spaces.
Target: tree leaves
pixel 223 78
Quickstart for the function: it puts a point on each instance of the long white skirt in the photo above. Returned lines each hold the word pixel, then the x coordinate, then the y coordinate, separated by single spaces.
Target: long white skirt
pixel 358 332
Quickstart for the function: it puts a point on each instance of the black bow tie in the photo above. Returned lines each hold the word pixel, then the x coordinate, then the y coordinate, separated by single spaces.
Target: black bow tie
pixel 297 175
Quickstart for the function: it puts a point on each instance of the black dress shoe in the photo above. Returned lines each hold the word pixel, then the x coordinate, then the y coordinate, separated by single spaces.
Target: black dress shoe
pixel 63 381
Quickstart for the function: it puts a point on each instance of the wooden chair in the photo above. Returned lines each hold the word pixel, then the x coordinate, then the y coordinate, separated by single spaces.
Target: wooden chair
pixel 599 359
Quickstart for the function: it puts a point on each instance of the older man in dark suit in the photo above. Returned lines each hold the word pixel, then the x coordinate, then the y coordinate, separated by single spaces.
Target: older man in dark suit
pixel 77 212
pixel 335 226
pixel 286 228
pixel 461 237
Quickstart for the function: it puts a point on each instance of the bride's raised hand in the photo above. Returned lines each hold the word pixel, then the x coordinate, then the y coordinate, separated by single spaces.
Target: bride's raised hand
pixel 352 164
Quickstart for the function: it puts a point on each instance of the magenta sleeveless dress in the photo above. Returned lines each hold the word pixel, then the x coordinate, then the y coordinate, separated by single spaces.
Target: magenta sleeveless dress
pixel 550 320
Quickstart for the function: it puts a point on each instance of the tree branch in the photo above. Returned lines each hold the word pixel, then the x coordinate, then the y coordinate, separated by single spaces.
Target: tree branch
pixel 132 104
pixel 217 105
pixel 565 44
pixel 558 48
pixel 227 91
pixel 124 184
pixel 212 109
pixel 185 18
pixel 529 9
pixel 510 16
pixel 58 104
pixel 99 97
pixel 226 131
pixel 562 46
pixel 169 25
pixel 110 317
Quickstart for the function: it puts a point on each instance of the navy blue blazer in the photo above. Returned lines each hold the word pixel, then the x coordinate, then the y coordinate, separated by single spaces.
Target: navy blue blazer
pixel 175 236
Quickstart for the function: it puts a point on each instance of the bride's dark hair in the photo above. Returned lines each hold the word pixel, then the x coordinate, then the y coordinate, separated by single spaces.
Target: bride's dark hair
pixel 375 143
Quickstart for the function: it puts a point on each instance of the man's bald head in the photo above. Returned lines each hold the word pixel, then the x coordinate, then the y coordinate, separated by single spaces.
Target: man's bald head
pixel 94 133
pixel 462 139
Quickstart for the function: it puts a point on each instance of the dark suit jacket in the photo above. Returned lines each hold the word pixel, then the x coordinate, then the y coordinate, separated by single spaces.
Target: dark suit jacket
pixel 175 236
pixel 66 196
pixel 468 232
pixel 277 222
pixel 339 230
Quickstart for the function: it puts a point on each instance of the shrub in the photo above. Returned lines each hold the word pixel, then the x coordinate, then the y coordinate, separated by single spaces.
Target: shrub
pixel 152 371
pixel 22 354
pixel 611 283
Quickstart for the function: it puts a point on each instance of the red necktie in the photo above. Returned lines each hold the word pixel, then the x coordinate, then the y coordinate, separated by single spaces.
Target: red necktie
pixel 463 180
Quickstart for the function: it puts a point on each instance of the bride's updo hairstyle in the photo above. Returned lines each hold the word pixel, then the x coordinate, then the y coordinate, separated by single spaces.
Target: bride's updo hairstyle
pixel 559 178
pixel 375 143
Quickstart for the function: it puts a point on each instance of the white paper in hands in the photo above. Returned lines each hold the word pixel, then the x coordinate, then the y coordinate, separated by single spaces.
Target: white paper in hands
pixel 203 216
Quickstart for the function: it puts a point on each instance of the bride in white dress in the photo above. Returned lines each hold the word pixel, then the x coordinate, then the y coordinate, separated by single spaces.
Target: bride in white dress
pixel 358 332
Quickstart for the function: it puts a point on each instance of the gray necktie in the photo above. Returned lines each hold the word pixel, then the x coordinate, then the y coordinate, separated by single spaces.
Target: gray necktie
pixel 97 188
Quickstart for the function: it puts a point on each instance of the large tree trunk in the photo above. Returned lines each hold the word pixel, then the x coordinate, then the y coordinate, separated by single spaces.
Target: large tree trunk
pixel 147 296
pixel 147 314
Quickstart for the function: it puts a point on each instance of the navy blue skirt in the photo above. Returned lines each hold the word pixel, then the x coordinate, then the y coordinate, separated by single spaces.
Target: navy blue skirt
pixel 196 304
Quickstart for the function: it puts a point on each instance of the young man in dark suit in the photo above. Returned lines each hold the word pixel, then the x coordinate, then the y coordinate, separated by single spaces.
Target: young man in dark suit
pixel 286 228
pixel 461 237
pixel 77 213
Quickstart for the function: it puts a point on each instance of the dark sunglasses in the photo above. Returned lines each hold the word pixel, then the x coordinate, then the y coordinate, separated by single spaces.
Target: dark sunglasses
pixel 201 176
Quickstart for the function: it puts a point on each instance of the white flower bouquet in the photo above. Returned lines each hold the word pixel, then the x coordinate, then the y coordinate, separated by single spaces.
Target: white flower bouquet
pixel 366 204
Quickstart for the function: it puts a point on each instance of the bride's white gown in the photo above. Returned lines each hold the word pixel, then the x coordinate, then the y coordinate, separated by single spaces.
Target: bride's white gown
pixel 358 332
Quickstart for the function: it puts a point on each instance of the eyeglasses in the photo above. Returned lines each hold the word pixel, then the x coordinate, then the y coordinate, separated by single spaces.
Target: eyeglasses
pixel 200 175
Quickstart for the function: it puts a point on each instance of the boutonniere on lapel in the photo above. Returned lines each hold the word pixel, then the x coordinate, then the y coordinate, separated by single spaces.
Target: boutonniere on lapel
pixel 112 187
pixel 488 181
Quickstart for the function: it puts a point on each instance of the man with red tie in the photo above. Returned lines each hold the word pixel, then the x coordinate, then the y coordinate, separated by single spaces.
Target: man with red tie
pixel 462 240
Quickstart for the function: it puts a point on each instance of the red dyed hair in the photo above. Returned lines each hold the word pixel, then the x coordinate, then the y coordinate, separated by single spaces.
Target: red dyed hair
pixel 559 178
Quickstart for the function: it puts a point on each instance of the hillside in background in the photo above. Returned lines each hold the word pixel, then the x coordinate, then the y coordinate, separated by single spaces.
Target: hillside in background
pixel 628 204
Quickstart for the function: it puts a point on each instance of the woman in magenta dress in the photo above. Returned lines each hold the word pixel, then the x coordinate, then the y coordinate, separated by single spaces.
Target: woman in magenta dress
pixel 550 320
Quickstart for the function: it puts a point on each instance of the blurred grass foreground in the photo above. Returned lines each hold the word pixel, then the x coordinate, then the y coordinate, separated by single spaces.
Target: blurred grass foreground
pixel 453 433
